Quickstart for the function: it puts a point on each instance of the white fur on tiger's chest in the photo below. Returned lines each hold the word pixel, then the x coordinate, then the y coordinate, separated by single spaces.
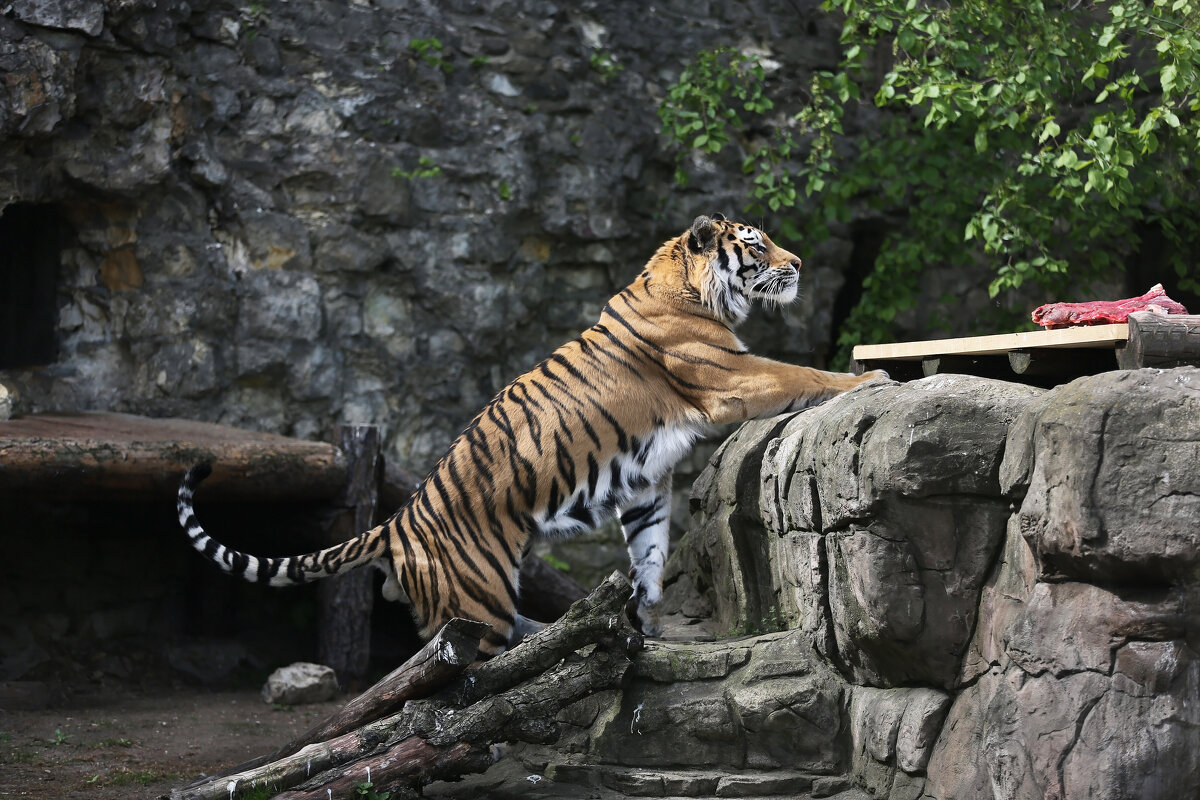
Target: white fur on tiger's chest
pixel 619 480
pixel 668 446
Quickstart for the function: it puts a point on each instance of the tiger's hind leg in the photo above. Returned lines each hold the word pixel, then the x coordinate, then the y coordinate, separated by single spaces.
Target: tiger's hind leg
pixel 646 523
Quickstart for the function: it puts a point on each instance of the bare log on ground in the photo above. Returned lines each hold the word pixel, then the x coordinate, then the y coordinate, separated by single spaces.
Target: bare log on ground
pixel 515 696
pixel 443 658
pixel 433 740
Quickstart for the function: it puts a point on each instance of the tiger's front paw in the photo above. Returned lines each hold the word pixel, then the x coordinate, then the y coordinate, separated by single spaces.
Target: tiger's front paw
pixel 874 377
pixel 648 621
pixel 642 608
pixel 643 617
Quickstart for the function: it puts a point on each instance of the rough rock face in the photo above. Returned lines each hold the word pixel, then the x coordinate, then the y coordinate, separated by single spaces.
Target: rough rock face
pixel 981 590
pixel 1083 674
pixel 250 235
pixel 869 523
pixel 1107 469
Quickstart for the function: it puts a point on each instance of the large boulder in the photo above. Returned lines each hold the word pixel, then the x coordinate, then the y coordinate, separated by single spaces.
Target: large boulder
pixel 1081 678
pixel 1073 690
pixel 869 523
pixel 1109 471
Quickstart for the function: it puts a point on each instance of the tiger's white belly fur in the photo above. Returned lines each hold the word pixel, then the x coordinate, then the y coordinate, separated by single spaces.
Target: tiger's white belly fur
pixel 636 471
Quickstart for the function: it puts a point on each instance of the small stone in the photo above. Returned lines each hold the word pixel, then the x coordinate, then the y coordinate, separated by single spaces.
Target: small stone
pixel 6 403
pixel 300 683
pixel 501 85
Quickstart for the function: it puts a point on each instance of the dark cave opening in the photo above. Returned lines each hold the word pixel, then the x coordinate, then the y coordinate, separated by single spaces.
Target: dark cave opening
pixel 868 236
pixel 30 250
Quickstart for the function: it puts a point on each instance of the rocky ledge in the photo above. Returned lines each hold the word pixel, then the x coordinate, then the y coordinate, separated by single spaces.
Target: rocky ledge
pixel 952 588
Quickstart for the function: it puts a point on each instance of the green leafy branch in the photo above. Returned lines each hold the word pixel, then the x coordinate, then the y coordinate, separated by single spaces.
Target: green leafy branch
pixel 701 109
pixel 606 65
pixel 1024 142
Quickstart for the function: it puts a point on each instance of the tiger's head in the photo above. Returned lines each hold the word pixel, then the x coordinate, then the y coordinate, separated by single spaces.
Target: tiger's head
pixel 738 264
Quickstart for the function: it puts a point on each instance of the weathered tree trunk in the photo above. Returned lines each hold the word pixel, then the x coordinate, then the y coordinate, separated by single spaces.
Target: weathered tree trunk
pixel 514 696
pixel 345 601
pixel 105 455
pixel 1160 340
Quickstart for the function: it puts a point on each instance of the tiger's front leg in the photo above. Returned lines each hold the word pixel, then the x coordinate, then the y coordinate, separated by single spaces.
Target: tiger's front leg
pixel 763 388
pixel 646 523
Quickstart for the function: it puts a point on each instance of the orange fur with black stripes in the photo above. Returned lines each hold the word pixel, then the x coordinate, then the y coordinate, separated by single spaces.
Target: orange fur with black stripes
pixel 590 433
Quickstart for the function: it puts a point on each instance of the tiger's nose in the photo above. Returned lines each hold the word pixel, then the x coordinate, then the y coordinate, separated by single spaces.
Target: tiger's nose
pixel 795 264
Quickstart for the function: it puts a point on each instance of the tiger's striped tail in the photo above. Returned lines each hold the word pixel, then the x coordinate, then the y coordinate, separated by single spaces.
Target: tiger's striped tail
pixel 283 571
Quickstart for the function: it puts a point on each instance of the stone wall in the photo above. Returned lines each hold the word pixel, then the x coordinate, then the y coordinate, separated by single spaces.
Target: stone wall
pixel 240 237
pixel 956 588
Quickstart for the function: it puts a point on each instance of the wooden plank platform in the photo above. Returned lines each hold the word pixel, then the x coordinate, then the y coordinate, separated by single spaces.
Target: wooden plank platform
pixel 1090 336
pixel 1044 357
pixel 99 454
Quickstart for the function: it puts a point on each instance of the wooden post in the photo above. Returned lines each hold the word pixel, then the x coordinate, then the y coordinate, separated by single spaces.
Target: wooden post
pixel 1159 340
pixel 345 601
pixel 1061 366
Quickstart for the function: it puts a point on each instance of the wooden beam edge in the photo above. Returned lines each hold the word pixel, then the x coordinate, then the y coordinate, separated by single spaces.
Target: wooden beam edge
pixel 1097 336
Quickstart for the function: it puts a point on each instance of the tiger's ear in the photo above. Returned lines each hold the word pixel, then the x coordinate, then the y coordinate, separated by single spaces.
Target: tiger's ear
pixel 702 235
pixel 718 217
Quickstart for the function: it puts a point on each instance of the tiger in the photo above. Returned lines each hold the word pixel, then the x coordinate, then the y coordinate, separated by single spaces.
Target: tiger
pixel 591 433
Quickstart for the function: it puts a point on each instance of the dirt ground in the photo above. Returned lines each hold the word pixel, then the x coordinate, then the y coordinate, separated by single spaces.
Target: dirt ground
pixel 128 745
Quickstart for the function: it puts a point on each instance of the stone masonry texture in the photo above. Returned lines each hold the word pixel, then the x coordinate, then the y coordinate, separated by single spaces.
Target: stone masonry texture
pixel 246 235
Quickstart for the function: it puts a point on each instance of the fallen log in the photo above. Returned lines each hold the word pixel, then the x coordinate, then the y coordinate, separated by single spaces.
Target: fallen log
pixel 444 741
pixel 514 696
pixel 598 618
pixel 443 658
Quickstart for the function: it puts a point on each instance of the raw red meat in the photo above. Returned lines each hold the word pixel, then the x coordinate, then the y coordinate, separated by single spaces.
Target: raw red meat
pixel 1104 312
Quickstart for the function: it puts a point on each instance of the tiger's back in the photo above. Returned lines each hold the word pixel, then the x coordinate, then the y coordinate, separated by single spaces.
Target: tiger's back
pixel 591 432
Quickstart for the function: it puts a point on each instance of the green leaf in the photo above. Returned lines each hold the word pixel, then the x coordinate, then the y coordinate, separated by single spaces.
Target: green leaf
pixel 1167 77
pixel 981 140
